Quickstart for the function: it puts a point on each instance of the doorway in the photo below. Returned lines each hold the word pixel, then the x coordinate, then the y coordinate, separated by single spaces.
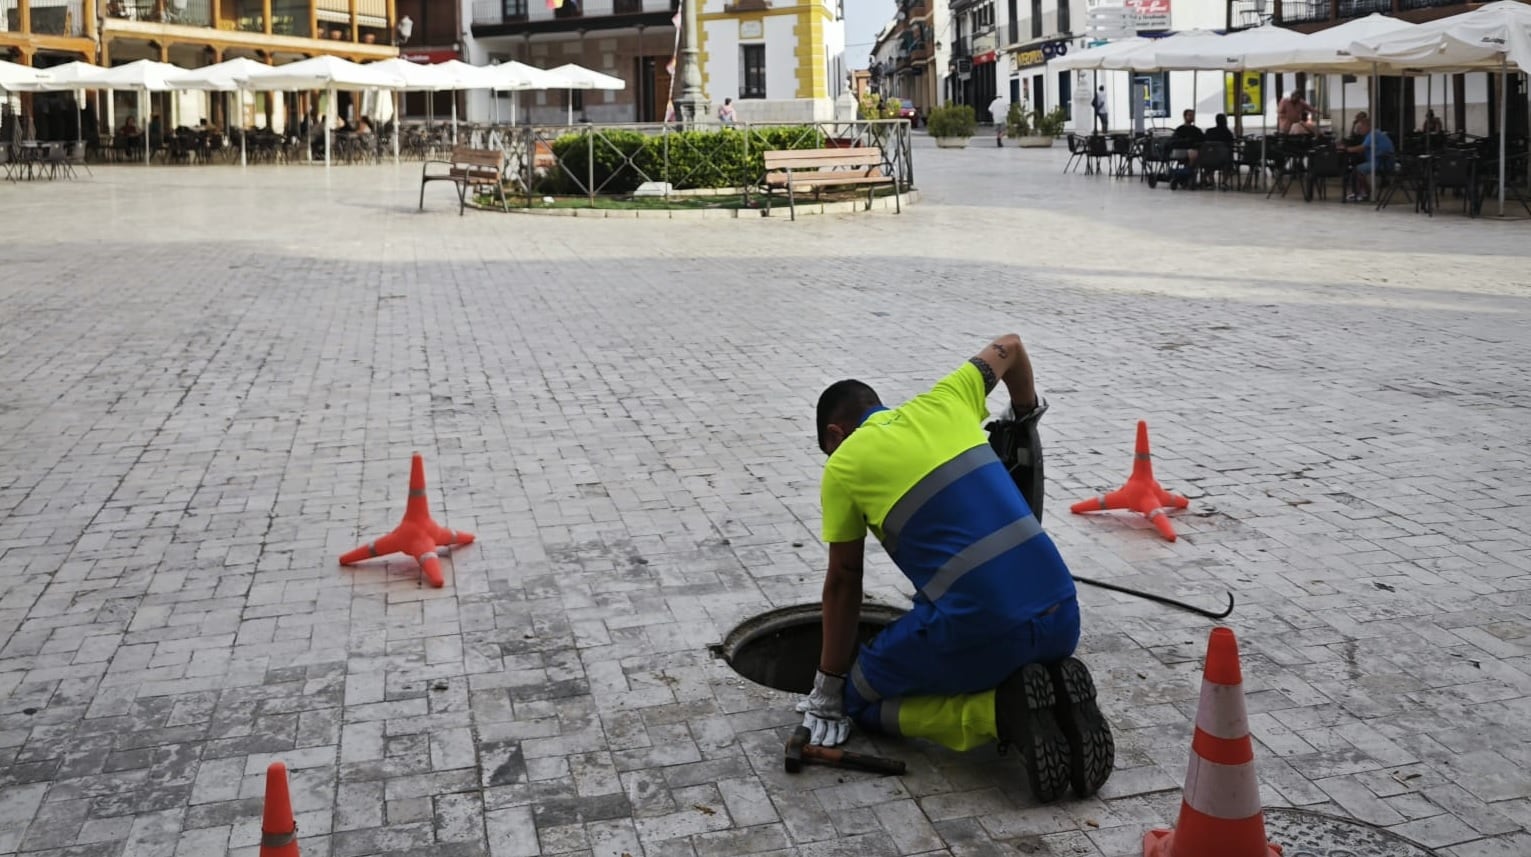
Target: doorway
pixel 1389 118
pixel 1515 110
pixel 653 88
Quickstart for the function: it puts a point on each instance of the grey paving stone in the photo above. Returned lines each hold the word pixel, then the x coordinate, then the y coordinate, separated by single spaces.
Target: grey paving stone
pixel 198 418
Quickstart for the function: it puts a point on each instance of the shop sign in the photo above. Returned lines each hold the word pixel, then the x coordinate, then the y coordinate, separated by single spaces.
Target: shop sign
pixel 1040 54
pixel 984 58
pixel 429 56
pixel 1149 14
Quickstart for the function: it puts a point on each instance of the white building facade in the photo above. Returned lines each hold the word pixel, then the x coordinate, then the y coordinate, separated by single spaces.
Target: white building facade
pixel 777 62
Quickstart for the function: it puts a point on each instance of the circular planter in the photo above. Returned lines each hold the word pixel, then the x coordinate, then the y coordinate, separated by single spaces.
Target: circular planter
pixel 1034 142
pixel 781 648
pixel 952 142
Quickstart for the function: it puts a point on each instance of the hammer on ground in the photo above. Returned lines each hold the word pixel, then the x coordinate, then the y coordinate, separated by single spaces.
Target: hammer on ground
pixel 800 751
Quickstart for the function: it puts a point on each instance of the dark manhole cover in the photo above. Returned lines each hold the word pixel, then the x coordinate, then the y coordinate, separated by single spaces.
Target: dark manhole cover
pixel 780 649
pixel 1302 833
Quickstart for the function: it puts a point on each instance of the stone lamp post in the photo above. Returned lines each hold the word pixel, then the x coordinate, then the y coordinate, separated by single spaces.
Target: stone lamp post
pixel 692 106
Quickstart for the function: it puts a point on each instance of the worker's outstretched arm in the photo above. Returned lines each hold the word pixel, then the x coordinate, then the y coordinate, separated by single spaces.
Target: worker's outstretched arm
pixel 1006 358
pixel 842 606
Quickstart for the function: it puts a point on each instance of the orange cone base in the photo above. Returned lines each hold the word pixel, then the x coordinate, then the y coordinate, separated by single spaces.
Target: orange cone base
pixel 1141 494
pixel 1161 843
pixel 417 535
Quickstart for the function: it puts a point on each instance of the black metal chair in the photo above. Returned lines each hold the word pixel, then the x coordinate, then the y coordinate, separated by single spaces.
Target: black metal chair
pixel 1076 146
pixel 1324 163
pixel 1412 177
pixel 1122 152
pixel 1096 149
pixel 1457 169
pixel 1216 160
pixel 1286 159
pixel 1249 163
pixel 1158 160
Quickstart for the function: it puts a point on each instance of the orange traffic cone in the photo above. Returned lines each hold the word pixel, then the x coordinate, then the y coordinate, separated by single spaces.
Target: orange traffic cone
pixel 417 535
pixel 1142 492
pixel 278 829
pixel 1220 812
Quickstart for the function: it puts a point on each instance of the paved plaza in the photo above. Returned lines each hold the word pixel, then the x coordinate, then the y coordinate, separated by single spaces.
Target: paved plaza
pixel 211 381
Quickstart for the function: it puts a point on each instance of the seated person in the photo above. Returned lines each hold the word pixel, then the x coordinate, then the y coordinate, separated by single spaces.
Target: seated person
pixel 1355 133
pixel 1188 138
pixel 1433 124
pixel 1374 145
pixel 1291 115
pixel 1219 132
pixel 363 126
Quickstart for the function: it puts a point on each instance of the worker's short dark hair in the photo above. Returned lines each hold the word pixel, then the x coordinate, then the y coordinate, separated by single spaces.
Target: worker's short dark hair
pixel 843 401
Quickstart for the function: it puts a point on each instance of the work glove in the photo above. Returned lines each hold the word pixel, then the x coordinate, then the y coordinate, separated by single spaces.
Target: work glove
pixel 824 710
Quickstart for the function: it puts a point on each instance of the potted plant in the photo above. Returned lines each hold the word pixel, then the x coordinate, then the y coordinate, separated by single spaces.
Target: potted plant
pixel 1033 129
pixel 1050 124
pixel 952 125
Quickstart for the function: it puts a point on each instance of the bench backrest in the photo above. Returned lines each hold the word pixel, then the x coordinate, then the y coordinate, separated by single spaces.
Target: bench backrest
pixel 807 159
pixel 471 157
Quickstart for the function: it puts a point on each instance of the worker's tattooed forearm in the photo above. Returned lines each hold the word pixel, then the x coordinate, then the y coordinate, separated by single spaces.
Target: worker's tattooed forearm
pixel 986 371
pixel 999 347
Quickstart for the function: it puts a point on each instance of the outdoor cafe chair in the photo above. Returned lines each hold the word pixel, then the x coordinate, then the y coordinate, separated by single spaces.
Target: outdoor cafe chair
pixel 6 163
pixel 1249 163
pixel 1412 176
pixel 1286 160
pixel 1096 150
pixel 1076 146
pixel 1324 162
pixel 1122 152
pixel 1159 160
pixel 1216 160
pixel 1457 170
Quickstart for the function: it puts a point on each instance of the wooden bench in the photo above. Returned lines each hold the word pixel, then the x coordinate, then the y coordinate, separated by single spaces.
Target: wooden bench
pixel 468 169
pixel 816 169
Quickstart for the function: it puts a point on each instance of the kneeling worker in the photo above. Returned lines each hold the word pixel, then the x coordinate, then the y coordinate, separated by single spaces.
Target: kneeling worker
pixel 985 653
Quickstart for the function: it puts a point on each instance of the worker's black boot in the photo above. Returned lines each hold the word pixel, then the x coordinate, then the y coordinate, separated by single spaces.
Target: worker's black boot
pixel 1023 716
pixel 1092 750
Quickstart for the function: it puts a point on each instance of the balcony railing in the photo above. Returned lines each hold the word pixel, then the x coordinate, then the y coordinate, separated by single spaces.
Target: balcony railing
pixel 1362 8
pixel 189 13
pixel 1309 11
pixel 491 12
pixel 1406 5
pixel 1304 12
pixel 57 18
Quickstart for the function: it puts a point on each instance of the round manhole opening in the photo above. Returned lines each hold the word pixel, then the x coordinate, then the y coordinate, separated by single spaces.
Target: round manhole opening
pixel 780 649
pixel 1304 833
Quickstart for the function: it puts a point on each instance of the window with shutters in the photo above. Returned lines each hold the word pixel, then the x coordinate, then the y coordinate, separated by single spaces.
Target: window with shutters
pixel 752 75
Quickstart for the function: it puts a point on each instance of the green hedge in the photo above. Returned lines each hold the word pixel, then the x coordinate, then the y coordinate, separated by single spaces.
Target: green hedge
pixel 727 157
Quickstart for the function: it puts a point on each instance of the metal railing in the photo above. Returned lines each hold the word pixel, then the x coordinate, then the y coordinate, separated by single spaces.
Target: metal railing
pixel 1304 11
pixel 1362 8
pixel 58 18
pixel 593 161
pixel 191 13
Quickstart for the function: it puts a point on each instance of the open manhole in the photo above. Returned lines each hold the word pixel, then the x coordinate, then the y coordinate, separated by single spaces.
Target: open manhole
pixel 780 649
pixel 1304 833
